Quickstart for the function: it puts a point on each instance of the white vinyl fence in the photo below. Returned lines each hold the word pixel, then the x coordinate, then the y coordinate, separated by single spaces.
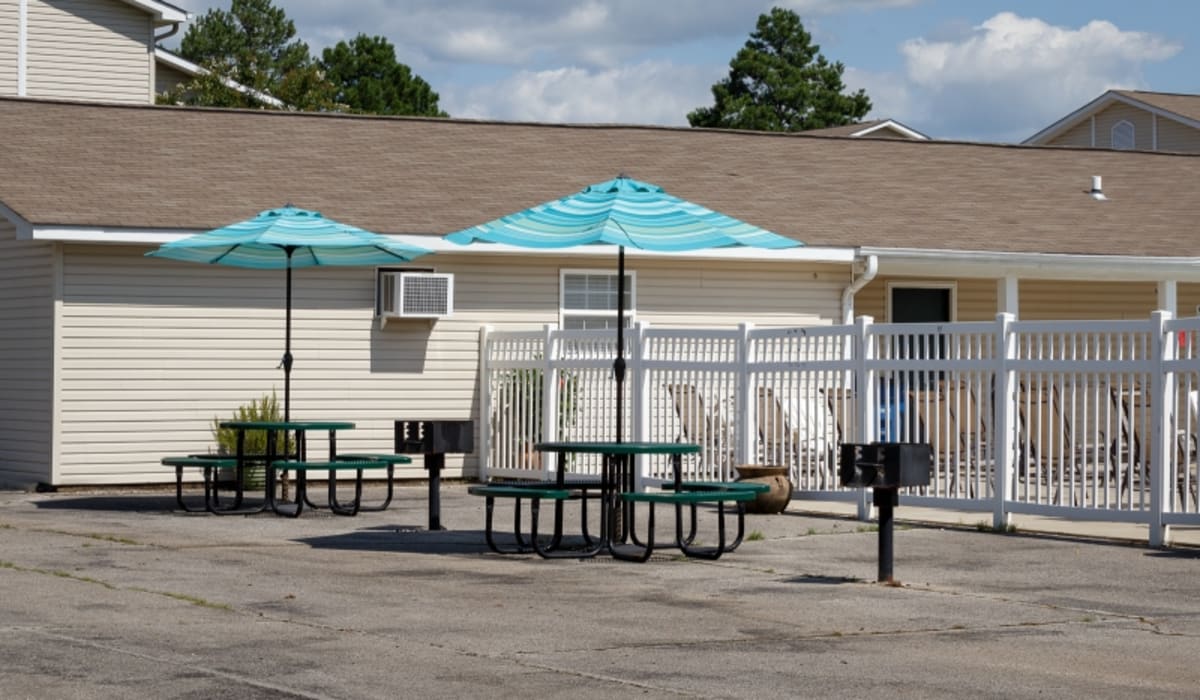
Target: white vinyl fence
pixel 1086 420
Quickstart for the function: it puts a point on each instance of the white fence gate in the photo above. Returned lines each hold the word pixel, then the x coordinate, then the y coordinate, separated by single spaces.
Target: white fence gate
pixel 1084 420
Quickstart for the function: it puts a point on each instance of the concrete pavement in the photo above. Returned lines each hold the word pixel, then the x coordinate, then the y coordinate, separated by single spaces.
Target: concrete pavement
pixel 115 594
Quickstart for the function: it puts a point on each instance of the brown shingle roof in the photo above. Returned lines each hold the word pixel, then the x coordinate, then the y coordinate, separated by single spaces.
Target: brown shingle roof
pixel 1187 106
pixel 163 167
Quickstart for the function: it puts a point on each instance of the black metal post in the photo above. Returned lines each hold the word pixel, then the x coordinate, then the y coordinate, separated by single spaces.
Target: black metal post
pixel 886 500
pixel 287 346
pixel 434 462
pixel 619 363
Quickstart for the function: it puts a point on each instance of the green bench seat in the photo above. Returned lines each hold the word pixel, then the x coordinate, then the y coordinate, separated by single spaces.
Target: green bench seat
pixel 331 468
pixel 534 493
pixel 679 499
pixel 392 460
pixel 751 486
pixel 208 464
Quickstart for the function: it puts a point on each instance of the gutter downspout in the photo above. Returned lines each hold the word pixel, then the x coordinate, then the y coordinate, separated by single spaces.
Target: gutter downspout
pixel 172 32
pixel 868 274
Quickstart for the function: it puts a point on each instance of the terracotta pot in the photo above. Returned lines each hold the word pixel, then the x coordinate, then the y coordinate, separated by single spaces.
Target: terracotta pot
pixel 773 501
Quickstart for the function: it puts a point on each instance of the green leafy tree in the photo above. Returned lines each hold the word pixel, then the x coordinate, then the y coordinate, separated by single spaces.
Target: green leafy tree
pixel 254 45
pixel 779 81
pixel 368 78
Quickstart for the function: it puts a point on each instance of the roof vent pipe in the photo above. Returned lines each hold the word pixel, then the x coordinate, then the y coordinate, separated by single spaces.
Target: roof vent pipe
pixel 1097 193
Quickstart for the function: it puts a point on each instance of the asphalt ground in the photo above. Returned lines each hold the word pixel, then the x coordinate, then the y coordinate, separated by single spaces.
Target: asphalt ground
pixel 117 594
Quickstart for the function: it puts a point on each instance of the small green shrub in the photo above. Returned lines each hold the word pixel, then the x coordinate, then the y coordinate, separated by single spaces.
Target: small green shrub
pixel 264 409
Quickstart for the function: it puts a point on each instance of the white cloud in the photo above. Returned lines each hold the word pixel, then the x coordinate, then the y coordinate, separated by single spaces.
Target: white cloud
pixel 1012 75
pixel 650 92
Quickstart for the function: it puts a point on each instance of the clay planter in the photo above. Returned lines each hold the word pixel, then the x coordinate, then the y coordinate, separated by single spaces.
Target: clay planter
pixel 773 501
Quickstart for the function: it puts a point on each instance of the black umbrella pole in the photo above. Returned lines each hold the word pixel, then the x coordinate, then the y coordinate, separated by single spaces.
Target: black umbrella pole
pixel 619 363
pixel 287 347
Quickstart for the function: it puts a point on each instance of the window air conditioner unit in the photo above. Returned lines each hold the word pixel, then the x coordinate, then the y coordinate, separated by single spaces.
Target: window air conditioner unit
pixel 415 295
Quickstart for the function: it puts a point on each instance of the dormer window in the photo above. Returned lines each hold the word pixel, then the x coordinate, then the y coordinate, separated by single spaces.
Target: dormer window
pixel 1122 136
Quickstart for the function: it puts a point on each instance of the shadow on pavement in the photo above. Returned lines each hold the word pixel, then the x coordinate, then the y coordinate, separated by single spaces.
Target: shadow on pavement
pixel 127 503
pixel 403 538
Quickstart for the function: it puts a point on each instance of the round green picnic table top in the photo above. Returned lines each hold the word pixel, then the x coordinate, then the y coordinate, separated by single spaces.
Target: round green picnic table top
pixel 287 425
pixel 619 448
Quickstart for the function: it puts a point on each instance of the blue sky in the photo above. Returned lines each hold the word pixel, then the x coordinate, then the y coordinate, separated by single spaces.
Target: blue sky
pixel 978 70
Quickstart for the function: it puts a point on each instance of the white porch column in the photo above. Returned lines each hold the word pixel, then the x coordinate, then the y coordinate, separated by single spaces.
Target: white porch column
pixel 1168 298
pixel 1008 299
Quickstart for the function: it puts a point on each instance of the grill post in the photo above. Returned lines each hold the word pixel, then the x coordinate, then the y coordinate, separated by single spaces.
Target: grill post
pixel 886 467
pixel 433 439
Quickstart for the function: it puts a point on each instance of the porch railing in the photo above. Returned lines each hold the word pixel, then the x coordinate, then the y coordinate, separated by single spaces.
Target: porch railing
pixel 1083 419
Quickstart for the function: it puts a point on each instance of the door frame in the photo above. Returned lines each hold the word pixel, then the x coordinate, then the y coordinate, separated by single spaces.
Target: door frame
pixel 951 286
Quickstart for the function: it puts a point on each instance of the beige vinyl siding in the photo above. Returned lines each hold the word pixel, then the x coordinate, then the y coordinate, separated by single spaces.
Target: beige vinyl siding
pixel 1058 300
pixel 9 31
pixel 675 293
pixel 167 77
pixel 152 350
pixel 1078 135
pixel 1174 136
pixel 977 299
pixel 1187 297
pixel 1143 125
pixel 27 349
pixel 90 50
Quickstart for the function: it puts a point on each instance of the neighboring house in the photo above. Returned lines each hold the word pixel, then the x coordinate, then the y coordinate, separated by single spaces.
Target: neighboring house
pixel 109 360
pixel 101 50
pixel 173 70
pixel 876 129
pixel 1130 120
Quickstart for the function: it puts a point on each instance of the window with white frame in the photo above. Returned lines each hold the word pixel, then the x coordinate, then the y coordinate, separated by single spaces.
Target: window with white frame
pixel 1122 136
pixel 588 299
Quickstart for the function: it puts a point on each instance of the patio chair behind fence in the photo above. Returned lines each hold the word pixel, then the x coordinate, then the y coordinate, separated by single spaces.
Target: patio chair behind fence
pixel 1024 417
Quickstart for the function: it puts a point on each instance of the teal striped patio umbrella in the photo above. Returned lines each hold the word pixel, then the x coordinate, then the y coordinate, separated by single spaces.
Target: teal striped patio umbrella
pixel 626 213
pixel 284 239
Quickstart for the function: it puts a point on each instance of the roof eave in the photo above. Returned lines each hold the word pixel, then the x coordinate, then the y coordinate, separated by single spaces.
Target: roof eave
pixel 437 244
pixel 989 264
pixel 24 228
pixel 894 126
pixel 164 13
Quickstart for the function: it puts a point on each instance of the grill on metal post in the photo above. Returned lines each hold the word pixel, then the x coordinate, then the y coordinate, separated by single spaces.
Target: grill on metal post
pixel 886 467
pixel 434 438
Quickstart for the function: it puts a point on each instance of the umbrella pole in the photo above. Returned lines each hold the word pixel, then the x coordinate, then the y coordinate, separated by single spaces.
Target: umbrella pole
pixel 287 348
pixel 619 363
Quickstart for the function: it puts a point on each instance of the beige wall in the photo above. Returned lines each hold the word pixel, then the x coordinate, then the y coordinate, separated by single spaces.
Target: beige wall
pixel 1078 135
pixel 167 77
pixel 1169 134
pixel 1143 125
pixel 152 350
pixel 26 359
pixel 1053 300
pixel 9 21
pixel 1173 136
pixel 90 50
pixel 977 299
